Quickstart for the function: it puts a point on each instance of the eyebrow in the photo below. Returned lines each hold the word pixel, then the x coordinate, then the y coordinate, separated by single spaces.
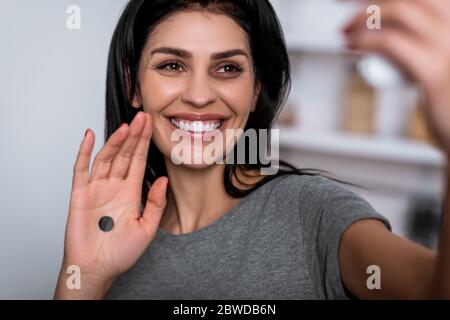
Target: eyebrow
pixel 182 53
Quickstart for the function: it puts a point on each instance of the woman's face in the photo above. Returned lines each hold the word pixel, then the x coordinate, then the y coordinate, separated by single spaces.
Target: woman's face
pixel 196 79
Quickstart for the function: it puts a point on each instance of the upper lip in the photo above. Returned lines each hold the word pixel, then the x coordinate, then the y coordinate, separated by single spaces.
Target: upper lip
pixel 193 116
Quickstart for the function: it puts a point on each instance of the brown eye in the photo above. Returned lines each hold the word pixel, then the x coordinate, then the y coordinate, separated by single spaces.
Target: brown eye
pixel 171 66
pixel 230 68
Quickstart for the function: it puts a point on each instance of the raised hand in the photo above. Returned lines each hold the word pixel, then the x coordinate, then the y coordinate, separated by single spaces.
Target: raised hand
pixel 415 35
pixel 113 189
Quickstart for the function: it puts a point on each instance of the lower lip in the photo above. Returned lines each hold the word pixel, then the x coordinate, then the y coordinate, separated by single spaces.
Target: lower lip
pixel 198 134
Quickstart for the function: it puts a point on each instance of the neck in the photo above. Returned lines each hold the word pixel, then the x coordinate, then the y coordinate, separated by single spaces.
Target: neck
pixel 197 197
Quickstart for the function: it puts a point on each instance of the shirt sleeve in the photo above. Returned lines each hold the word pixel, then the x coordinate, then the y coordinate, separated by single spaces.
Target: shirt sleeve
pixel 332 207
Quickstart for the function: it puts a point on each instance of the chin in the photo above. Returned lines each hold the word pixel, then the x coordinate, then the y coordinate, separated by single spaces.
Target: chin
pixel 201 166
pixel 197 164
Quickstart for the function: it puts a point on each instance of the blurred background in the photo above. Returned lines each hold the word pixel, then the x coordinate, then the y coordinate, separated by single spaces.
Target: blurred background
pixel 353 116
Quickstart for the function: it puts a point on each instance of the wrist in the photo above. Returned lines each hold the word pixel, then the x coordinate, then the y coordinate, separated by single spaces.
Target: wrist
pixel 73 283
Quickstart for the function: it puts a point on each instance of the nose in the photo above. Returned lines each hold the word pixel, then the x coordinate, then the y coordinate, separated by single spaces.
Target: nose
pixel 199 92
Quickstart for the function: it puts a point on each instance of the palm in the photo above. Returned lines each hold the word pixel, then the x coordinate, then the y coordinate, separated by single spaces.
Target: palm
pixel 114 189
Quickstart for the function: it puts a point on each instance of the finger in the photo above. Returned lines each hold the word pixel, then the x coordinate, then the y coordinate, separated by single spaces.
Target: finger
pixel 409 16
pixel 81 167
pixel 104 158
pixel 411 55
pixel 139 162
pixel 156 203
pixel 122 160
pixel 439 8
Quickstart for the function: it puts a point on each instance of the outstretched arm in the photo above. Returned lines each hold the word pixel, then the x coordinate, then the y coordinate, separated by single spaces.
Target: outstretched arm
pixel 407 269
pixel 415 35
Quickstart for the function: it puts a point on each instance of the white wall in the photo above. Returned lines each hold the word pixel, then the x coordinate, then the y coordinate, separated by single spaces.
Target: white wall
pixel 52 89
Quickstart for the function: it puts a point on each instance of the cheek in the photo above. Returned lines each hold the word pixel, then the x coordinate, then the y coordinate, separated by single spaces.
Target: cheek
pixel 238 96
pixel 158 92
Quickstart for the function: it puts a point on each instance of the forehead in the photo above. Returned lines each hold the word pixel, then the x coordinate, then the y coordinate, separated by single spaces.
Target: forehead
pixel 199 30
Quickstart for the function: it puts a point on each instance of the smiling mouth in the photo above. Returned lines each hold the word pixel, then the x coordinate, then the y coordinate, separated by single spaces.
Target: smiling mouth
pixel 196 126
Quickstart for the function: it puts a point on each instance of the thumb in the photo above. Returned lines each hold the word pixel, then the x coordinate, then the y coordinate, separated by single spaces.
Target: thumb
pixel 156 203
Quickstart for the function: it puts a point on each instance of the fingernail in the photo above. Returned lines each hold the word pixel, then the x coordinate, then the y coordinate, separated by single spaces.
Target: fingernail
pixel 85 134
pixel 348 28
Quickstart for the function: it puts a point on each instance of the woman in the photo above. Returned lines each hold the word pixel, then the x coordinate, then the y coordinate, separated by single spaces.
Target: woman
pixel 223 230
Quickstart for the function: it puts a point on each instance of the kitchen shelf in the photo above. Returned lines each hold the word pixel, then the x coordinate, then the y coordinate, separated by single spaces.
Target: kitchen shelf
pixel 354 145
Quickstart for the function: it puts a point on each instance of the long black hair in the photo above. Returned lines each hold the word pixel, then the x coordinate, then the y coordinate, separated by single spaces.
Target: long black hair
pixel 271 64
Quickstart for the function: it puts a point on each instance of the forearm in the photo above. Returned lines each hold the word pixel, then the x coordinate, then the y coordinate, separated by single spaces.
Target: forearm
pixel 441 283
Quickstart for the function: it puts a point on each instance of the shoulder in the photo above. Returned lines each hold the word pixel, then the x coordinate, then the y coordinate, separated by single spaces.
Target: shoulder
pixel 296 193
pixel 313 196
pixel 314 187
pixel 321 198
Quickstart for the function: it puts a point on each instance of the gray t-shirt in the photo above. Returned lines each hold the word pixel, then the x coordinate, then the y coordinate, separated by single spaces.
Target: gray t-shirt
pixel 279 242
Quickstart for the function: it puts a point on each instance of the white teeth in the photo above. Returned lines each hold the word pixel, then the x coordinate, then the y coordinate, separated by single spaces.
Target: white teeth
pixel 196 126
pixel 185 126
